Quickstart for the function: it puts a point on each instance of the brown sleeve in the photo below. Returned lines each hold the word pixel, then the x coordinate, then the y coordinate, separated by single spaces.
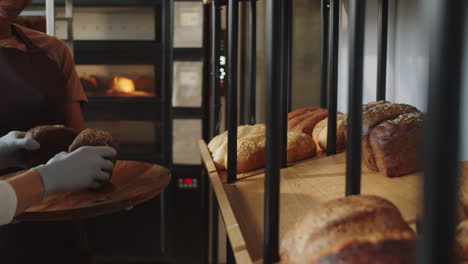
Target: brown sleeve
pixel 75 92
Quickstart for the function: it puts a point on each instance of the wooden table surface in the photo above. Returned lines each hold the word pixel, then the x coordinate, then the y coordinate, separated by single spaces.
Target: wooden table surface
pixel 132 183
pixel 303 187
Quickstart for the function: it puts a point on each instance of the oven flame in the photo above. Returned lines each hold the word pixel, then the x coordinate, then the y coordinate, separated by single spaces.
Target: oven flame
pixel 123 85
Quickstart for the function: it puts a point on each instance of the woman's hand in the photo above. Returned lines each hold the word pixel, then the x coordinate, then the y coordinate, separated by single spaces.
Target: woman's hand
pixel 11 147
pixel 86 167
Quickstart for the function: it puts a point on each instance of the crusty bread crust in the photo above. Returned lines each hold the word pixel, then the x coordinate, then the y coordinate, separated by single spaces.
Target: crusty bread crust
pixel 251 148
pixel 94 137
pixel 309 121
pixel 372 117
pixel 357 223
pixel 300 146
pixel 320 134
pixel 395 144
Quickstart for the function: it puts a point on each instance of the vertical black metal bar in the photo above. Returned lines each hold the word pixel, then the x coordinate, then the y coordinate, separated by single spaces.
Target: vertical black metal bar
pixel 242 64
pixel 287 57
pixel 253 61
pixel 273 123
pixel 167 80
pixel 233 20
pixel 333 75
pixel 325 21
pixel 284 83
pixel 166 126
pixel 215 47
pixel 356 63
pixel 215 97
pixel 382 50
pixel 446 19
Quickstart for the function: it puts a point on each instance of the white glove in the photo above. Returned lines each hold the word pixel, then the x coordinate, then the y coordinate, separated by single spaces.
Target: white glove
pixel 86 167
pixel 11 146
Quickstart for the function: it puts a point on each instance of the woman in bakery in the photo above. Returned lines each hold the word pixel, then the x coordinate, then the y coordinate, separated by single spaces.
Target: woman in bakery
pixel 39 86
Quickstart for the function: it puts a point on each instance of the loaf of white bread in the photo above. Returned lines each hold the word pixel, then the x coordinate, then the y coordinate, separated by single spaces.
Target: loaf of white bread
pixel 360 229
pixel 314 121
pixel 251 144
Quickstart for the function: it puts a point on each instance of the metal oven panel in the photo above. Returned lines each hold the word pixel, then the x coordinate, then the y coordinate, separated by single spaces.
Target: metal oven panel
pixel 188 24
pixel 188 81
pixel 109 23
pixel 187 133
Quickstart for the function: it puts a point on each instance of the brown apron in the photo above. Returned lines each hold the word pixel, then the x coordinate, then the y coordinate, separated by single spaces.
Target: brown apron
pixel 33 92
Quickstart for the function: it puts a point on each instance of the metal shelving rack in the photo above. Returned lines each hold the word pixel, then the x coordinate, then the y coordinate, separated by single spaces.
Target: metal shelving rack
pixel 441 149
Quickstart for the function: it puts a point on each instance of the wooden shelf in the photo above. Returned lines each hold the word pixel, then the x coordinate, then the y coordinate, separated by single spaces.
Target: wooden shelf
pixel 303 186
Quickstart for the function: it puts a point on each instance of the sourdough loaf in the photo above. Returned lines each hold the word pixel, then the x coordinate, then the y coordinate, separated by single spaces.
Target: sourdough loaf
pixel 361 229
pixel 375 114
pixel 320 134
pixel 53 139
pixel 395 143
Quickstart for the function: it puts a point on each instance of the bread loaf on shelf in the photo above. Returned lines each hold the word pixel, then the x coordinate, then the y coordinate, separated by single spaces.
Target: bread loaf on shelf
pixel 395 143
pixel 321 130
pixel 300 147
pixel 361 229
pixel 390 153
pixel 251 146
pixel 306 123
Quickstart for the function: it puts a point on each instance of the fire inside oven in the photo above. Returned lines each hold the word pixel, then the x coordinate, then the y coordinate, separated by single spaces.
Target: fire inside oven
pixel 118 80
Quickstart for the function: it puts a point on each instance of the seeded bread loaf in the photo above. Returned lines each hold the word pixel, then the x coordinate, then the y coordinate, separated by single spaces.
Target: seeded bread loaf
pixel 94 137
pixel 361 229
pixel 395 143
pixel 251 148
pixel 373 116
pixel 53 139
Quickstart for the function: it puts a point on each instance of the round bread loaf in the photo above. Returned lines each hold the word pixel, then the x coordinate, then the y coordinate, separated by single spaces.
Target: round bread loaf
pixel 53 139
pixel 94 137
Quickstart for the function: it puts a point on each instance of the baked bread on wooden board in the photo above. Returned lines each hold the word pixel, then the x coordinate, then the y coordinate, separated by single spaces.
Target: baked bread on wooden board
pixel 53 139
pixel 362 229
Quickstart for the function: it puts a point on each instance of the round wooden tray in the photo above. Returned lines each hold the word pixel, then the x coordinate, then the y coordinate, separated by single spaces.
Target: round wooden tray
pixel 132 183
